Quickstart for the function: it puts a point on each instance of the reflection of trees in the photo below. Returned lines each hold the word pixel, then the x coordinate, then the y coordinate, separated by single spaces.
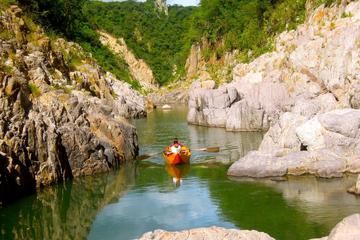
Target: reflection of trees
pixel 64 211
pixel 252 205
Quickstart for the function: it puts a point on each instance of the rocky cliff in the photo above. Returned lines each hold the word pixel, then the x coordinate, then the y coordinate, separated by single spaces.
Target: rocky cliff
pixel 139 70
pixel 61 115
pixel 306 94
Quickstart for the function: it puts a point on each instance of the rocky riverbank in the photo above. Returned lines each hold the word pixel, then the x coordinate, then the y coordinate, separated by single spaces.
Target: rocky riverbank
pixel 305 95
pixel 61 115
pixel 348 228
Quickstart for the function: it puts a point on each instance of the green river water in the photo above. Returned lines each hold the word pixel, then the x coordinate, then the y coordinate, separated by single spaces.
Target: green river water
pixel 141 197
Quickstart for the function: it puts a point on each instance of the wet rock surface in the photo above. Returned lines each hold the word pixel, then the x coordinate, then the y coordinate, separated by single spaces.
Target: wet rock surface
pixel 61 115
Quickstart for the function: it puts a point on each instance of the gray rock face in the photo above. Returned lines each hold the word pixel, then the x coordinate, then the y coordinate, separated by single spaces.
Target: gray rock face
pixel 59 118
pixel 317 132
pixel 207 233
pixel 331 147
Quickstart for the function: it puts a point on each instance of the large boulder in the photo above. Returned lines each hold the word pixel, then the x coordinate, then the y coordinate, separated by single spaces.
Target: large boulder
pixel 207 233
pixel 348 228
pixel 325 145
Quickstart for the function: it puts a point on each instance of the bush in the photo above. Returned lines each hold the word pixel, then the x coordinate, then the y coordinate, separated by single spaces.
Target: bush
pixel 35 91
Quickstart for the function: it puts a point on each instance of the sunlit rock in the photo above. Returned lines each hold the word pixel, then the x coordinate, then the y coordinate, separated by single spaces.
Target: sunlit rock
pixel 207 233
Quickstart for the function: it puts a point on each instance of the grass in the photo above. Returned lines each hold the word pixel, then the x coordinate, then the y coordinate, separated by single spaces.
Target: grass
pixel 345 14
pixel 5 34
pixel 35 91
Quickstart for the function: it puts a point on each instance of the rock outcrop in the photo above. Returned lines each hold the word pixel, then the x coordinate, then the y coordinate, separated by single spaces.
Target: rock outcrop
pixel 139 70
pixel 61 115
pixel 207 233
pixel 305 93
pixel 348 228
pixel 355 189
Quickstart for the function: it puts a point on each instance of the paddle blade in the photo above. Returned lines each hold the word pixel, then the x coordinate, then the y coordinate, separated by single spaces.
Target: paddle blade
pixel 208 149
pixel 213 149
pixel 142 157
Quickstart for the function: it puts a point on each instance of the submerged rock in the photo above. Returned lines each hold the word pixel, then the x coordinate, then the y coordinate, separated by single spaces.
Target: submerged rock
pixel 207 233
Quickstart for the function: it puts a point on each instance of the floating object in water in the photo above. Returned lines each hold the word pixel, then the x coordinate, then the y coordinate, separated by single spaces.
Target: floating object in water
pixel 166 107
pixel 182 157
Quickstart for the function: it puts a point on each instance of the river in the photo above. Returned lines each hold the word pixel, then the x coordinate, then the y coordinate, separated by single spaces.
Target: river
pixel 144 196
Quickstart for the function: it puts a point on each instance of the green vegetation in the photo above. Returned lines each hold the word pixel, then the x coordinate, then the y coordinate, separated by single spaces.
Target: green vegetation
pixel 65 18
pixel 35 91
pixel 158 39
pixel 164 41
pixel 345 14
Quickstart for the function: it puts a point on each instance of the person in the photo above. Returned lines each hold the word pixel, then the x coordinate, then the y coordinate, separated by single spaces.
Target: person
pixel 176 146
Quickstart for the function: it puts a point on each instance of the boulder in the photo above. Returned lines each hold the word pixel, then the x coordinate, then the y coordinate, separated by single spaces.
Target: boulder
pixel 348 228
pixel 166 107
pixel 207 233
pixel 355 189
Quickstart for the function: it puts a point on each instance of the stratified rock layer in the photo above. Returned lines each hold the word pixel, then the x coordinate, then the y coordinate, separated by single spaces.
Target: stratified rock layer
pixel 60 115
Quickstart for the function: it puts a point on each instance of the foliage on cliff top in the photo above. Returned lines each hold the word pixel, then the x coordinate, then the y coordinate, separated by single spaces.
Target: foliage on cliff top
pixel 164 41
pixel 65 18
pixel 247 25
pixel 153 36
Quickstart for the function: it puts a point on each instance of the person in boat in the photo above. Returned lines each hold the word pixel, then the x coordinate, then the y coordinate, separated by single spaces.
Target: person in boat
pixel 175 147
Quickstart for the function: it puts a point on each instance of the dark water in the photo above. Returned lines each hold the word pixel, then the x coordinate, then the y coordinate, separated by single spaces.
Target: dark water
pixel 142 197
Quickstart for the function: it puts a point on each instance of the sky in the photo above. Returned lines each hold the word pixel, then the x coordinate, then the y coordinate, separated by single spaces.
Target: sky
pixel 170 2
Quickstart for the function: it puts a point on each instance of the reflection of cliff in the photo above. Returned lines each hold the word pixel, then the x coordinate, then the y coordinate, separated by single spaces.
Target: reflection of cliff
pixel 320 197
pixel 65 211
pixel 251 205
pixel 313 205
pixel 233 145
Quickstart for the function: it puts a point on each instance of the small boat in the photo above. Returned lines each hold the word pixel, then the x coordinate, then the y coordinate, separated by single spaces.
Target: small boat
pixel 177 158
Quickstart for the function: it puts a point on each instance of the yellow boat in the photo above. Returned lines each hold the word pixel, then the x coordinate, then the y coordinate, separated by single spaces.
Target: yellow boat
pixel 177 158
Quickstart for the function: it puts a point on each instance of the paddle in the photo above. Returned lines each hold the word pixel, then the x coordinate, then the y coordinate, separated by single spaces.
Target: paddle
pixel 208 149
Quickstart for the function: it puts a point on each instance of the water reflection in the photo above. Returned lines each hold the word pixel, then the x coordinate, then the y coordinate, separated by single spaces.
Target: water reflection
pixel 64 211
pixel 323 200
pixel 177 172
pixel 159 129
pixel 233 145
